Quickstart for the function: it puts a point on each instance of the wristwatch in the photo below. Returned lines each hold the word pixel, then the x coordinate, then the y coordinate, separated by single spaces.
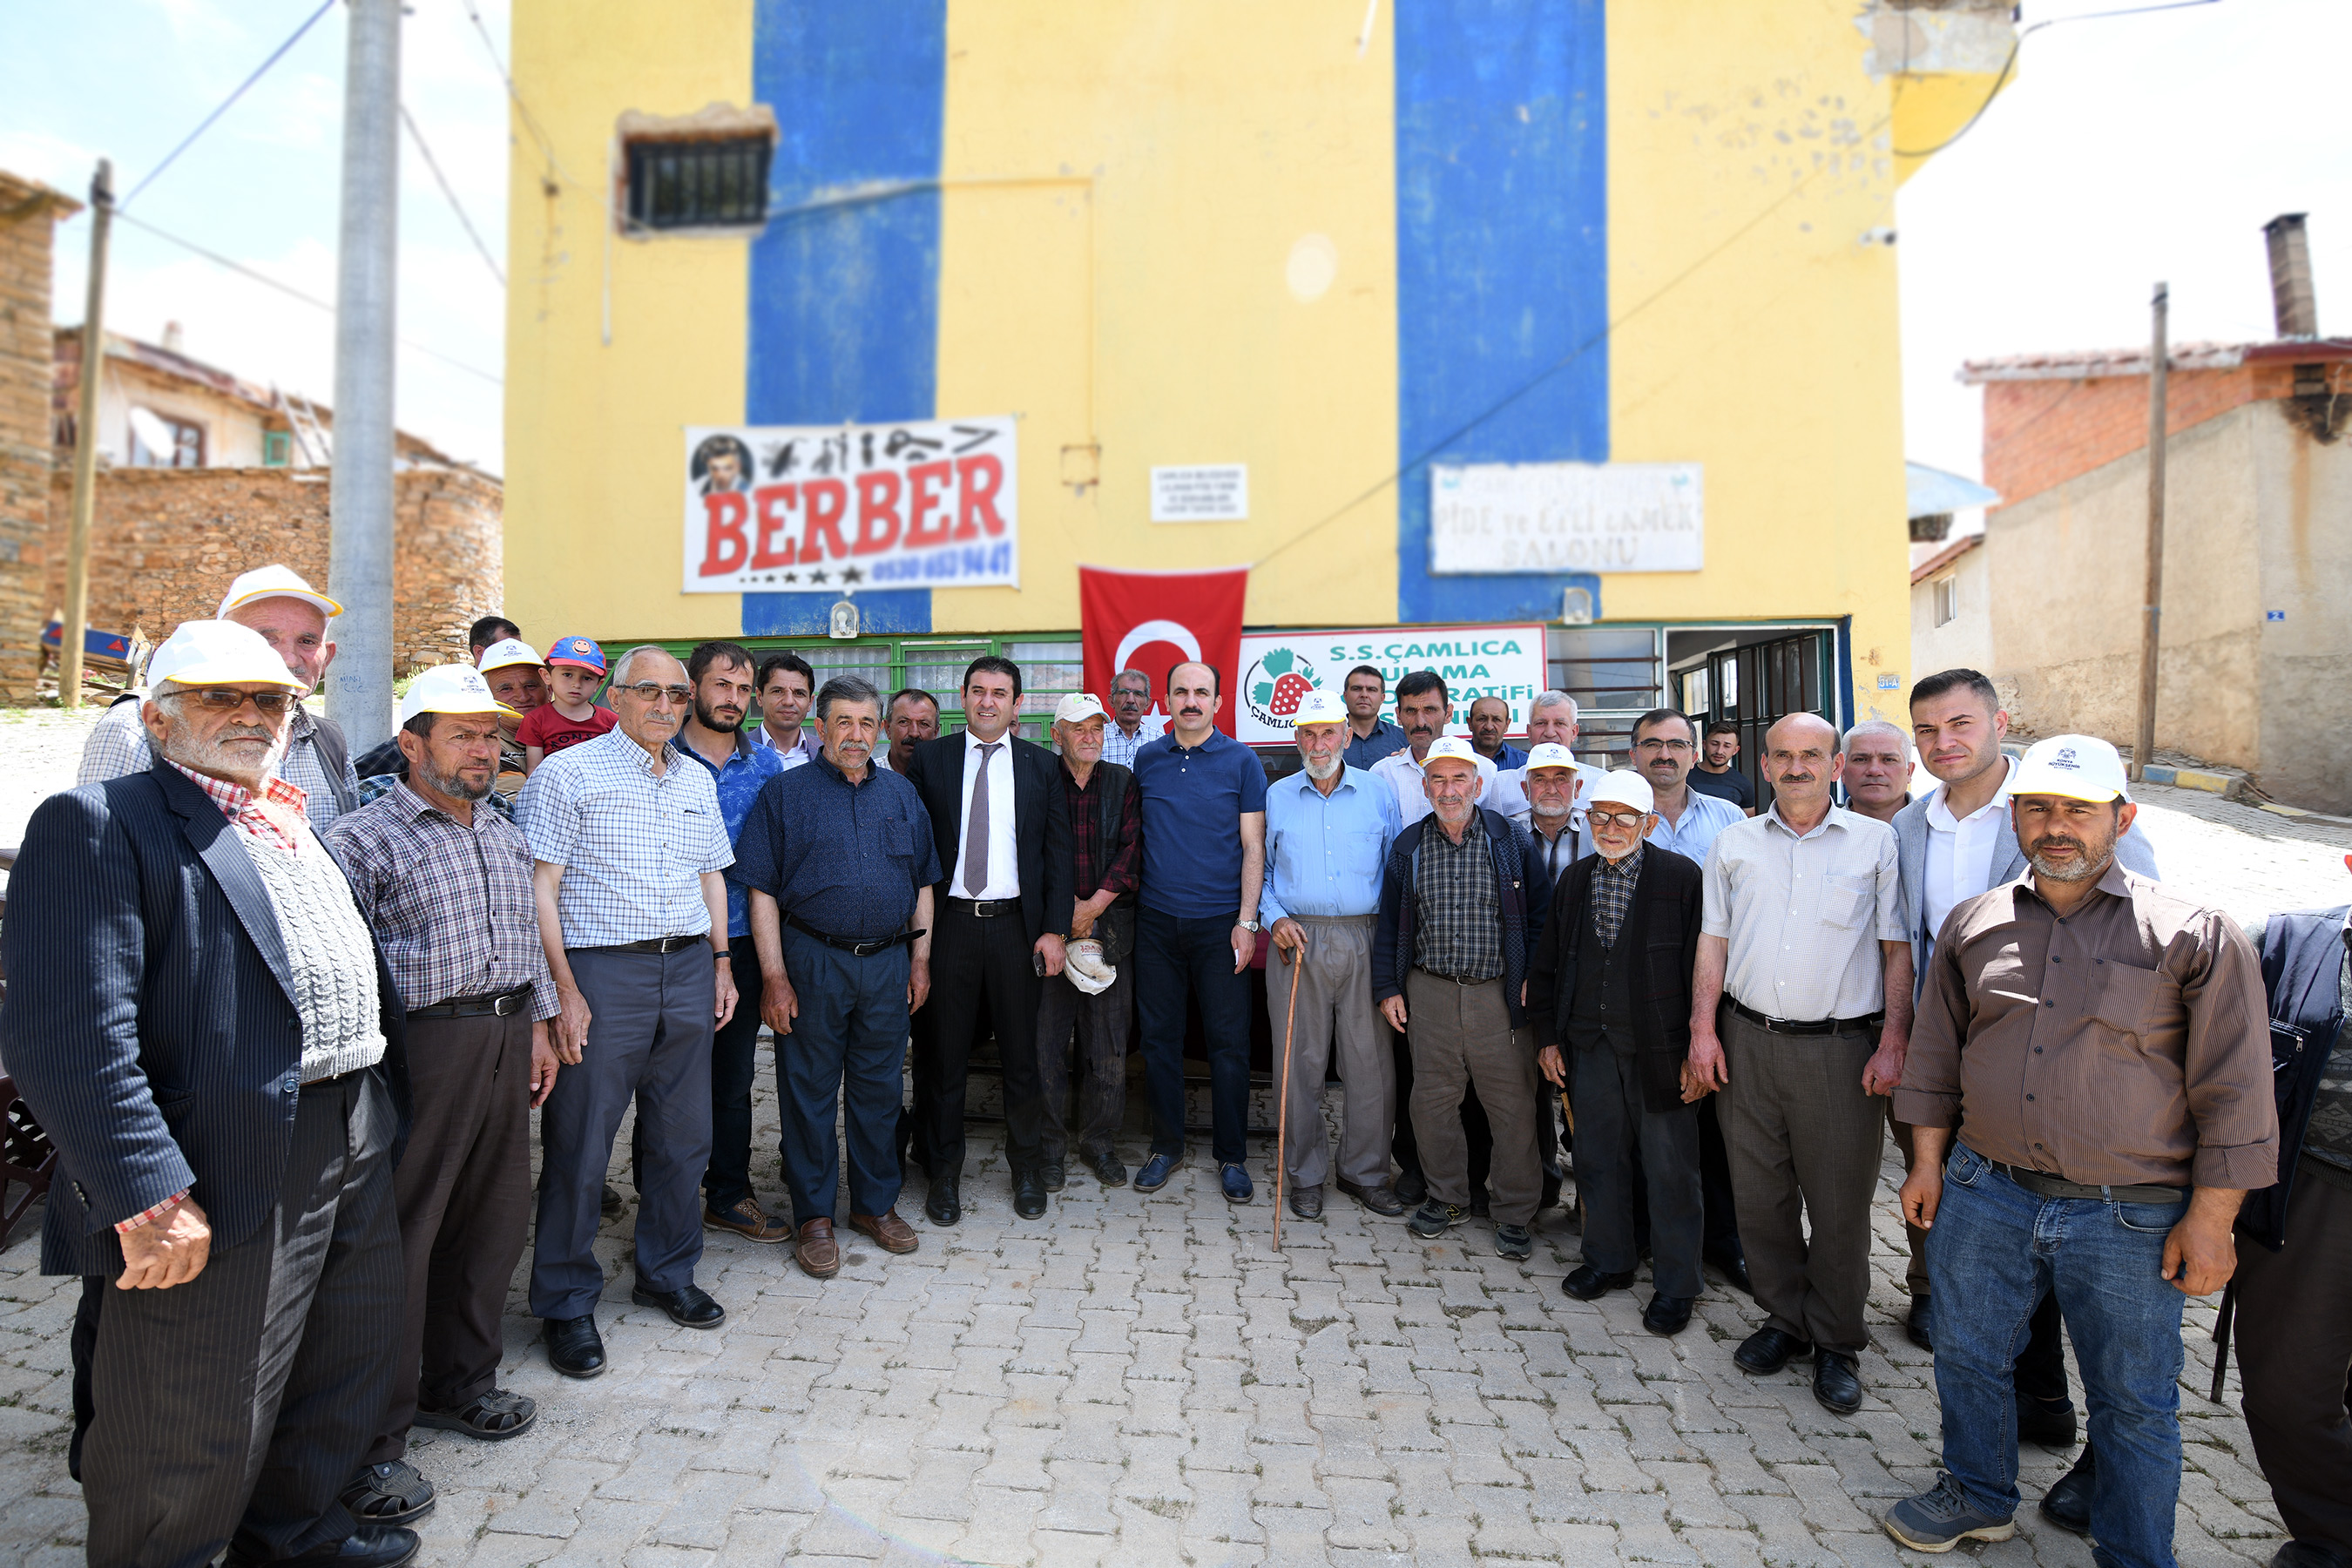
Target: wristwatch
pixel 1247 925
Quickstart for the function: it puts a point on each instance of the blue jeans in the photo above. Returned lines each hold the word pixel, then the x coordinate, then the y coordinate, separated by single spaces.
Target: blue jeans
pixel 1995 1249
pixel 1174 957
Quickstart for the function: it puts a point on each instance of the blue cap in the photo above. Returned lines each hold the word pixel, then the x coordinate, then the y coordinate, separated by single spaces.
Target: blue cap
pixel 577 651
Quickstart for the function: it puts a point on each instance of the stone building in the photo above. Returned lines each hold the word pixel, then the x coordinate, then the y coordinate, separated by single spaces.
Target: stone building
pixel 28 213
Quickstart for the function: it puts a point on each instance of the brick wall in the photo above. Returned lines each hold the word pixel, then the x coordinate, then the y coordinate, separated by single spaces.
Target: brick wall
pixel 25 223
pixel 166 543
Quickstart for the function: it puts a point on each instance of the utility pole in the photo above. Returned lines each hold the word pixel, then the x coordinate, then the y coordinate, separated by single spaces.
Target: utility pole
pixel 76 615
pixel 2144 747
pixel 359 683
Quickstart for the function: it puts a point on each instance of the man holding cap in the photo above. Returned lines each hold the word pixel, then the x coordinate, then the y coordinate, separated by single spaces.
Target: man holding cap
pixel 292 616
pixel 2100 1040
pixel 1462 900
pixel 1329 829
pixel 215 1047
pixel 446 886
pixel 1107 855
pixel 1610 981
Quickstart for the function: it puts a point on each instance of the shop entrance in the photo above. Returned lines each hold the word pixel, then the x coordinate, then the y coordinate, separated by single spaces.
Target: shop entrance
pixel 1752 677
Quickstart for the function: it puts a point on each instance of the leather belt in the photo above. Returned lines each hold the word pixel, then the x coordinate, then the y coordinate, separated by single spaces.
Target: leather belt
pixel 854 949
pixel 658 944
pixel 987 909
pixel 2042 1184
pixel 1798 1025
pixel 496 1005
pixel 1459 979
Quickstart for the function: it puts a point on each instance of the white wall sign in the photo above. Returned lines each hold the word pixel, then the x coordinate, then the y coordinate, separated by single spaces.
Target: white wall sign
pixel 1206 492
pixel 1565 517
pixel 1280 667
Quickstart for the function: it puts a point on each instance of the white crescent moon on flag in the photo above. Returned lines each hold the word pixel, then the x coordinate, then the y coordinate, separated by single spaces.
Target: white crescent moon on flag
pixel 1157 631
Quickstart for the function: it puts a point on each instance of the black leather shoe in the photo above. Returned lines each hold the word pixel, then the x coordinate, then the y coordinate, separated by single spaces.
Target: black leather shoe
pixel 1920 1326
pixel 1731 1260
pixel 2067 1504
pixel 1029 1193
pixel 611 1204
pixel 689 1306
pixel 1384 1201
pixel 1667 1315
pixel 2051 1426
pixel 574 1348
pixel 1836 1383
pixel 1055 1175
pixel 2309 1554
pixel 368 1546
pixel 1106 1168
pixel 1306 1203
pixel 1587 1283
pixel 1410 1188
pixel 943 1205
pixel 1768 1350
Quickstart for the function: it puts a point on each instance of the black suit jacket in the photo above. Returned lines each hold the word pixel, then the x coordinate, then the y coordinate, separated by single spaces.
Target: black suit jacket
pixel 1664 927
pixel 150 1020
pixel 1041 822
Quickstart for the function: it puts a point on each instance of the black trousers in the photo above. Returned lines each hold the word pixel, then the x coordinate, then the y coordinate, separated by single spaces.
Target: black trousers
pixel 975 959
pixel 241 1402
pixel 1618 1141
pixel 734 1063
pixel 2295 1353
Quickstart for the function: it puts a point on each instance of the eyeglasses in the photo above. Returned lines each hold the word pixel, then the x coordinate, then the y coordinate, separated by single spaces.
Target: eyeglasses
pixel 1652 743
pixel 1614 819
pixel 217 699
pixel 651 692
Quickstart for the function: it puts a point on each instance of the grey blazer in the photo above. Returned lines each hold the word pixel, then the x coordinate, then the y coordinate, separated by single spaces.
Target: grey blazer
pixel 2008 864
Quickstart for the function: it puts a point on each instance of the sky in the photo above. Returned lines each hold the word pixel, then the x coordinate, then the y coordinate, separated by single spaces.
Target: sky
pixel 2125 151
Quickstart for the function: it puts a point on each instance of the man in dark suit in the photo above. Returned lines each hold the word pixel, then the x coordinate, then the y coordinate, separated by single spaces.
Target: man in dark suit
pixel 1608 995
pixel 1003 834
pixel 215 1046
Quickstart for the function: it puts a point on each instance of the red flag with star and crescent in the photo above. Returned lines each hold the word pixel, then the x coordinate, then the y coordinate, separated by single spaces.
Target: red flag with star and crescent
pixel 1153 621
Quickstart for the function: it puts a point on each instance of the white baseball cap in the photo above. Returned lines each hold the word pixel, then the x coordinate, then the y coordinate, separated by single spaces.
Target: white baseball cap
pixel 1086 968
pixel 1319 706
pixel 1549 755
pixel 1077 707
pixel 2079 767
pixel 1458 749
pixel 1624 787
pixel 507 651
pixel 218 653
pixel 448 688
pixel 274 582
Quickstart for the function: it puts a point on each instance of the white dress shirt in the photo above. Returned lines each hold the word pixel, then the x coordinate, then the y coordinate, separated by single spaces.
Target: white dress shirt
pixel 1403 774
pixel 1960 849
pixel 1003 851
pixel 1804 916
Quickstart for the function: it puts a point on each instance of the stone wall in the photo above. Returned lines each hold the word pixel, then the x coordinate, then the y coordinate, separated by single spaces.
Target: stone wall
pixel 166 543
pixel 27 215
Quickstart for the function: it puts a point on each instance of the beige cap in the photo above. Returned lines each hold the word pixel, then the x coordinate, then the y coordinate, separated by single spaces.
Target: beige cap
pixel 218 652
pixel 276 582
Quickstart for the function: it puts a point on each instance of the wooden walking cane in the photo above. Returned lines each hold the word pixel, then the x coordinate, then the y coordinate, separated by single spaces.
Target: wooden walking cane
pixel 1297 962
pixel 1568 1119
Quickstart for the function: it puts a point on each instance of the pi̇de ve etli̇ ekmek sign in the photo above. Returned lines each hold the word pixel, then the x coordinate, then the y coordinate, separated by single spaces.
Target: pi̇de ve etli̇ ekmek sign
pixel 818 508
pixel 1565 517
pixel 1279 669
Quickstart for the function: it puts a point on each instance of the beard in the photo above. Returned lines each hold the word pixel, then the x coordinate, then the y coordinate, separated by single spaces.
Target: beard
pixel 1321 768
pixel 2083 868
pixel 218 754
pixel 455 787
pixel 706 716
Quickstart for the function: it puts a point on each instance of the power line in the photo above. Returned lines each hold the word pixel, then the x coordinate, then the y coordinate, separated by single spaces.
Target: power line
pixel 442 180
pixel 218 259
pixel 258 72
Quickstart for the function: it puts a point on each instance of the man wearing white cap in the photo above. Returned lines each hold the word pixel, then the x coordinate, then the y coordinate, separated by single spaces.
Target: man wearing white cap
pixel 2101 1043
pixel 291 618
pixel 1094 993
pixel 215 1047
pixel 518 678
pixel 1328 831
pixel 1462 900
pixel 1609 996
pixel 1424 709
pixel 445 883
pixel 1551 721
pixel 1549 784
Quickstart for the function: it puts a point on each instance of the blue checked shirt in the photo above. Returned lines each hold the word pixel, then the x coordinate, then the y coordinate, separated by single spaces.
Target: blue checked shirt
pixel 1693 836
pixel 1118 747
pixel 737 782
pixel 632 844
pixel 1325 855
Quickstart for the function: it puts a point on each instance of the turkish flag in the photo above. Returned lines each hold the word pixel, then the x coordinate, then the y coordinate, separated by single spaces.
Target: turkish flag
pixel 1153 621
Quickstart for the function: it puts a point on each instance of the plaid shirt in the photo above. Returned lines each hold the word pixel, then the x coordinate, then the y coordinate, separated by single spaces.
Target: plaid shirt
pixel 118 746
pixel 1117 747
pixel 1612 895
pixel 1095 873
pixel 452 905
pixel 632 844
pixel 1460 934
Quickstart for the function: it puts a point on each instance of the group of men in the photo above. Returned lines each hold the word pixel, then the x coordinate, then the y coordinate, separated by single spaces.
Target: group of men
pixel 291 1082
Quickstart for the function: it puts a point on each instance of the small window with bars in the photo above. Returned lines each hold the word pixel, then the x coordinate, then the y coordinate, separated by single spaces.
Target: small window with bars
pixel 708 183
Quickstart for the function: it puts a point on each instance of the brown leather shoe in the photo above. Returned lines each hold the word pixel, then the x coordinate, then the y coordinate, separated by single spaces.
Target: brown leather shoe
pixel 895 1234
pixel 815 1251
pixel 745 1217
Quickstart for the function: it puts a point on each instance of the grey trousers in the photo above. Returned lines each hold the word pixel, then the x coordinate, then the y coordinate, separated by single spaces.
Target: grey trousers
pixel 1804 1142
pixel 1461 1035
pixel 243 1401
pixel 1334 1012
pixel 648 1037
pixel 1615 1134
pixel 1102 1023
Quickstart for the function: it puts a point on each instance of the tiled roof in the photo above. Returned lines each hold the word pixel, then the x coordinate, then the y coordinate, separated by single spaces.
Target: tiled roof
pixel 2090 364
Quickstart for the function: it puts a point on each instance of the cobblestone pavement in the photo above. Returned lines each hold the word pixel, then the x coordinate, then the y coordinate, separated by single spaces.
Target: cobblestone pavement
pixel 1143 1380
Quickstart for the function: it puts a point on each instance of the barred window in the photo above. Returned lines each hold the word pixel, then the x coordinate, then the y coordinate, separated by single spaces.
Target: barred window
pixel 703 184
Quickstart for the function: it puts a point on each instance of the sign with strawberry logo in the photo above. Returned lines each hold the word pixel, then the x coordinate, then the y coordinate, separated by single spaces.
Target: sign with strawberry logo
pixel 1276 681
pixel 1279 669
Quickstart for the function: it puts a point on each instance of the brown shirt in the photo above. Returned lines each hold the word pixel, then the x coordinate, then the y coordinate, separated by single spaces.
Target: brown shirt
pixel 2125 1045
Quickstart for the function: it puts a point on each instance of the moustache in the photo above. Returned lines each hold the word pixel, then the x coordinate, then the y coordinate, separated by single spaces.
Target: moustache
pixel 2055 841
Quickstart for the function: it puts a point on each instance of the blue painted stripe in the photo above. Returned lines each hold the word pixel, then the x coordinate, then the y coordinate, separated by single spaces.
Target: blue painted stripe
pixel 1502 266
pixel 845 298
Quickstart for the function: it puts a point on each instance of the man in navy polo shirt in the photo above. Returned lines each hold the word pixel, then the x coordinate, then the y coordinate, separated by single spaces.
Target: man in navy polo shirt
pixel 1203 796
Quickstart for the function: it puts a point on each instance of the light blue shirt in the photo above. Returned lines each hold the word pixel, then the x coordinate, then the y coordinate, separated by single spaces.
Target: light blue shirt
pixel 1703 818
pixel 1325 855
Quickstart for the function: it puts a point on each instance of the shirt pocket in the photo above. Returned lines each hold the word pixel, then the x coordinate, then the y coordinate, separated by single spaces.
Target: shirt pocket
pixel 2124 996
pixel 1847 900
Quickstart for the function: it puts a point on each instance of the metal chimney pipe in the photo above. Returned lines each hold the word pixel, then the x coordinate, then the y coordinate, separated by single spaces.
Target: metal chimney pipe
pixel 2292 301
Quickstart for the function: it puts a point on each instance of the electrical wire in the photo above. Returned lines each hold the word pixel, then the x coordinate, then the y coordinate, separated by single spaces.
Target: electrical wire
pixel 259 71
pixel 442 180
pixel 218 259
